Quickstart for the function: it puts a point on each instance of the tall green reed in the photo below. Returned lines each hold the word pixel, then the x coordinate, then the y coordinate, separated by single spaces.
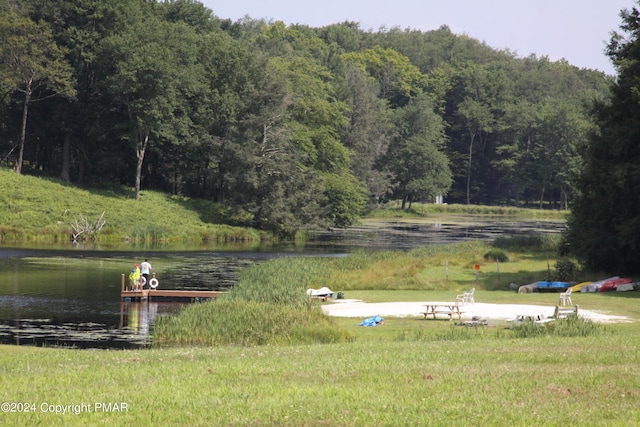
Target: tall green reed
pixel 269 305
pixel 571 326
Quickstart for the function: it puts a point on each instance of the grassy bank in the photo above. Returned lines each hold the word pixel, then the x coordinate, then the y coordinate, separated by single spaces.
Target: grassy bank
pixel 418 210
pixel 445 267
pixel 42 211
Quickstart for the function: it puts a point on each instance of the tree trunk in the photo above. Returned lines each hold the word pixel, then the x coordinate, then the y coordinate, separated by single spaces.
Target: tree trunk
pixel 83 163
pixel 23 131
pixel 66 150
pixel 142 147
pixel 473 137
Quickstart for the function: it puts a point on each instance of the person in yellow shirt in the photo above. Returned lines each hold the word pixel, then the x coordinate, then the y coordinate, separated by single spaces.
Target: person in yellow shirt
pixel 134 277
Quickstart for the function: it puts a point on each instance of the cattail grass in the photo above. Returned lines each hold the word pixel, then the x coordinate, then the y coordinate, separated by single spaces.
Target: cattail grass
pixel 269 305
pixel 571 326
pixel 246 323
pixel 282 281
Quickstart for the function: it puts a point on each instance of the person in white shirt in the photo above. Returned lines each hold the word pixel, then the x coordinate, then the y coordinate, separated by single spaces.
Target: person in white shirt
pixel 145 271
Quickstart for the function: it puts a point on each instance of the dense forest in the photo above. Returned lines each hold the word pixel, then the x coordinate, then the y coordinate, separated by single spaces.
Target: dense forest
pixel 604 224
pixel 287 126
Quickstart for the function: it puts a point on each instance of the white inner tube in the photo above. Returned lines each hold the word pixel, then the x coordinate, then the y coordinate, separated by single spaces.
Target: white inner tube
pixel 153 283
pixel 143 280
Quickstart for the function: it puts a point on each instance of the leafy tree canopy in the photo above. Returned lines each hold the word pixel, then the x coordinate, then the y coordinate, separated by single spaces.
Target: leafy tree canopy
pixel 604 226
pixel 288 126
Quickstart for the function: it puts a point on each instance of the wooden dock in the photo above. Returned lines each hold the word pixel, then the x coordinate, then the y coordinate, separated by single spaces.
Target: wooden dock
pixel 165 294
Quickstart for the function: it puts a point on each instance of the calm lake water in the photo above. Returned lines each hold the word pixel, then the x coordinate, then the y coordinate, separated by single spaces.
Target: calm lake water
pixel 70 295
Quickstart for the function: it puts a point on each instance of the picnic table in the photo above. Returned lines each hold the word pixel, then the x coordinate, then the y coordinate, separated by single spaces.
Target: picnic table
pixel 449 309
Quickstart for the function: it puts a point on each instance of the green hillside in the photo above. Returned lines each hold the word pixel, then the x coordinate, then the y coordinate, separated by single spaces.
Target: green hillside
pixel 42 210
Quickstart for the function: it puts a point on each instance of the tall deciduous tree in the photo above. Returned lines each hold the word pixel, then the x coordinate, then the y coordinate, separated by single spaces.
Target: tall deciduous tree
pixel 33 65
pixel 604 226
pixel 230 71
pixel 474 101
pixel 346 199
pixel 513 153
pixel 367 131
pixel 477 119
pixel 151 71
pixel 561 130
pixel 314 114
pixel 415 158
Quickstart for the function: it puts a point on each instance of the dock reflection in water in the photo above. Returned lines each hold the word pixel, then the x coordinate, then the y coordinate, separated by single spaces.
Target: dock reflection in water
pixel 138 317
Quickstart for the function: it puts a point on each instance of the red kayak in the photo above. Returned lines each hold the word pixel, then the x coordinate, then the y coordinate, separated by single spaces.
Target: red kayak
pixel 612 284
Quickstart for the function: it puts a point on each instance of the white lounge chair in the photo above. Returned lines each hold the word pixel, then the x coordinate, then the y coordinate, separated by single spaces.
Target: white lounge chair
pixel 565 298
pixel 466 298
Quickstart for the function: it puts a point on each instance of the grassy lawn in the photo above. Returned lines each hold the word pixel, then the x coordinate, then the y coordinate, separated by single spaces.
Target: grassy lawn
pixel 480 381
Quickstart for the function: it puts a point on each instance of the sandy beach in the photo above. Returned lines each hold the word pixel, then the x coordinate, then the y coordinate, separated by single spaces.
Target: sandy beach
pixel 358 308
